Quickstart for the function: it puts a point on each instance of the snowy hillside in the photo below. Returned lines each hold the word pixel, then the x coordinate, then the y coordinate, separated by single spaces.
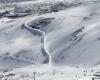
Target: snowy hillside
pixel 50 41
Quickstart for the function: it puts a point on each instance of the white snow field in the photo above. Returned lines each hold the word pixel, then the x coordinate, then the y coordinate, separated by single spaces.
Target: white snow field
pixel 56 45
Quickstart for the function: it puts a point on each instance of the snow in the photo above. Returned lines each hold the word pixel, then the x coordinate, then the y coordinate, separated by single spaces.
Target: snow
pixel 61 45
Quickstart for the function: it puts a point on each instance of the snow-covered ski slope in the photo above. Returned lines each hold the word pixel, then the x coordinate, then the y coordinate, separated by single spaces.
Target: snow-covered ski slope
pixel 64 39
pixel 70 36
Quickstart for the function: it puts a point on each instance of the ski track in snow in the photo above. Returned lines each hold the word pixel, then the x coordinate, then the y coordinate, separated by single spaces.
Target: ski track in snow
pixel 44 38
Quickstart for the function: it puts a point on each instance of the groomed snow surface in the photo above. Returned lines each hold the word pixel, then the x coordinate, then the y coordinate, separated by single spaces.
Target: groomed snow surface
pixel 63 45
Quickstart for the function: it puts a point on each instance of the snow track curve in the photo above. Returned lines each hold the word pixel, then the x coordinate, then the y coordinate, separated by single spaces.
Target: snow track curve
pixel 43 39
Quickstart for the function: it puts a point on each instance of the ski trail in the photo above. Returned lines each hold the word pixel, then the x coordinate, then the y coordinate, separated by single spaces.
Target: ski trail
pixel 44 39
